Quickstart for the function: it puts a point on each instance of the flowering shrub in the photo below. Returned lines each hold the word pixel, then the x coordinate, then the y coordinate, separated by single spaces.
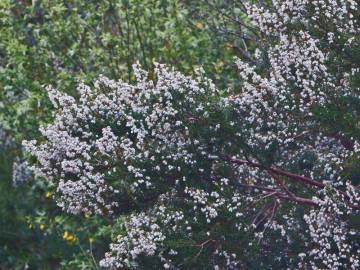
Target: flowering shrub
pixel 254 178
pixel 118 133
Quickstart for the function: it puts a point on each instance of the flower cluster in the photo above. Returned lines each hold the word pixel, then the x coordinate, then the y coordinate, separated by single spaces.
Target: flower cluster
pixel 21 172
pixel 147 233
pixel 118 138
pixel 141 239
pixel 335 242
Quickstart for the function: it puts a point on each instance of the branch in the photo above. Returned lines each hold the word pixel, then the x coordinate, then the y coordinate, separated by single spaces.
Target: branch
pixel 299 178
pixel 242 52
pixel 283 196
pixel 257 187
pixel 278 171
pixel 281 184
pixel 296 199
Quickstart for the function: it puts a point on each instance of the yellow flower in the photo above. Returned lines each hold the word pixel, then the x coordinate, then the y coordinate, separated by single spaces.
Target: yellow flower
pixel 65 236
pixel 42 227
pixel 69 237
pixel 30 226
pixel 199 25
pixel 49 194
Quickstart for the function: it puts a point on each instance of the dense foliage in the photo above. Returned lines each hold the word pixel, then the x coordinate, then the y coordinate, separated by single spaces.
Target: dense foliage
pixel 249 162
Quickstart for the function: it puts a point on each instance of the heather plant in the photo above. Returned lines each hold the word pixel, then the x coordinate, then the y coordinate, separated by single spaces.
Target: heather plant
pixel 259 176
pixel 248 178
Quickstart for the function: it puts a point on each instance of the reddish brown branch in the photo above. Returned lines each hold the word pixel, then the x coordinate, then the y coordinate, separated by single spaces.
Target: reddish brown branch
pixel 299 178
pixel 278 171
pixel 281 184
pixel 258 187
pixel 283 196
pixel 296 199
